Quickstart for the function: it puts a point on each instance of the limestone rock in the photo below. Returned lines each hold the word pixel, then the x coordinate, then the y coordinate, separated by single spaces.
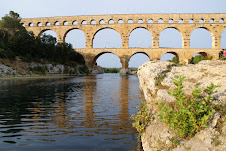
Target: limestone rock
pixel 203 73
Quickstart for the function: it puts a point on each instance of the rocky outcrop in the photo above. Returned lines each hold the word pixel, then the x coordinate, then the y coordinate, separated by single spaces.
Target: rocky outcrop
pixel 18 68
pixel 156 79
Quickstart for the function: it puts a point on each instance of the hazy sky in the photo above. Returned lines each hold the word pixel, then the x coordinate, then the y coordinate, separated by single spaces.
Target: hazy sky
pixel 49 8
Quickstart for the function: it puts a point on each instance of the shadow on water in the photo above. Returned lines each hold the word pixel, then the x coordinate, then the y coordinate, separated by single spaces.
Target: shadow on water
pixel 81 113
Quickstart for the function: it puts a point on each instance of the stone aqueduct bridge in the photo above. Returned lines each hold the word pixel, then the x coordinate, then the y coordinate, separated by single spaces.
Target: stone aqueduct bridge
pixel 125 24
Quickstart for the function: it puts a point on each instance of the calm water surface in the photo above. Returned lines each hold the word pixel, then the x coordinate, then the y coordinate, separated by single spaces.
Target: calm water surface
pixel 89 113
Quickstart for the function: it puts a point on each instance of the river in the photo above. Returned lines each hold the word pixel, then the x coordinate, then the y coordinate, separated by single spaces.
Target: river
pixel 90 113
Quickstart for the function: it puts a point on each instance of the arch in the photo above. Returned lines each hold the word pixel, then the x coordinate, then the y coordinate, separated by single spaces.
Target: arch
pixel 56 23
pixel 170 37
pixel 130 21
pixel 170 21
pixel 31 24
pixel 191 21
pixel 65 23
pixel 112 38
pixel 140 37
pixel 120 21
pixel 23 24
pixel 104 62
pixel 201 38
pixel 39 24
pixel 84 22
pixel 76 37
pixel 74 22
pixel 137 59
pixel 47 24
pixel 102 21
pixel 48 32
pixel 140 21
pixel 150 21
pixel 199 56
pixel 223 39
pixel 181 21
pixel 221 20
pixel 160 21
pixel 111 21
pixel 201 21
pixel 93 22
pixel 169 56
pixel 211 20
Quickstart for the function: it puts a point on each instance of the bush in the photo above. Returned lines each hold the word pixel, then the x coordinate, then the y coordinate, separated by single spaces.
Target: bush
pixel 197 59
pixel 83 69
pixel 189 114
pixel 175 60
pixel 39 69
pixel 112 70
pixel 142 118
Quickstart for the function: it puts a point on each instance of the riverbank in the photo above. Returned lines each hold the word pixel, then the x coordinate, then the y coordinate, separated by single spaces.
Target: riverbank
pixel 156 80
pixel 18 68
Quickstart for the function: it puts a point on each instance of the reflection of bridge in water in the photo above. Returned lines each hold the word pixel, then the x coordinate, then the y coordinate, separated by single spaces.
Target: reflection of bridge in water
pixel 125 24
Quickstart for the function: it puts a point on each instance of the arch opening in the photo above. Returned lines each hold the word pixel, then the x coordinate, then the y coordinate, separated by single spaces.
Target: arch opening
pixel 170 38
pixel 170 56
pixel 48 24
pixel 181 21
pixel 191 21
pixel 140 37
pixel 200 38
pixel 107 60
pixel 84 22
pixel 130 21
pixel 150 21
pixel 196 58
pixel 39 24
pixel 48 32
pixel 101 21
pixel 201 21
pixel 221 20
pixel 93 22
pixel 120 21
pixel 57 23
pixel 140 21
pixel 65 23
pixel 107 38
pixel 76 37
pixel 170 21
pixel 74 22
pixel 160 21
pixel 211 21
pixel 31 25
pixel 138 59
pixel 111 21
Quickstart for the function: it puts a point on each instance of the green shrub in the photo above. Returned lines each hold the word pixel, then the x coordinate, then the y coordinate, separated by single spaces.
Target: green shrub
pixel 38 69
pixel 189 114
pixel 175 60
pixel 197 59
pixel 141 119
pixel 83 69
pixel 111 70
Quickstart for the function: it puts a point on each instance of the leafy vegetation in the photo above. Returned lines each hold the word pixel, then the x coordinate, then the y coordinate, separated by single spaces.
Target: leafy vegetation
pixel 199 58
pixel 112 70
pixel 15 40
pixel 175 60
pixel 142 118
pixel 190 113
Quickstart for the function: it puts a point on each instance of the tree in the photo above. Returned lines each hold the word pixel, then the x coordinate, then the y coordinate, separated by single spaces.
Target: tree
pixel 10 25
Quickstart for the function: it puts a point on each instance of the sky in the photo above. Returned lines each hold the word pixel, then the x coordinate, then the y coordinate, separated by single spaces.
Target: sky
pixel 51 8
